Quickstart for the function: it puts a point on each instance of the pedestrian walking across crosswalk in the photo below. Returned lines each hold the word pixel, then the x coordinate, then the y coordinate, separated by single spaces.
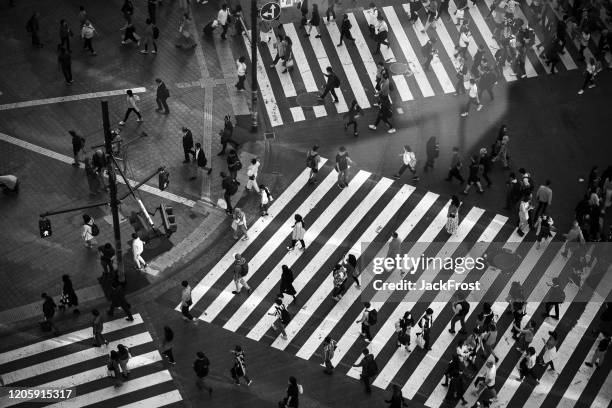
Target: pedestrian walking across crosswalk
pixel 355 62
pixel 359 220
pixel 70 361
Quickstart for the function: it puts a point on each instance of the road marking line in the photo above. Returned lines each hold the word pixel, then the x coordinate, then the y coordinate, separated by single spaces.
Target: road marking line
pixel 69 98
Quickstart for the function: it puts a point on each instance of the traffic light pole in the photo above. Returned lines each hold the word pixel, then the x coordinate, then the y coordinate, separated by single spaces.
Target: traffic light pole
pixel 254 39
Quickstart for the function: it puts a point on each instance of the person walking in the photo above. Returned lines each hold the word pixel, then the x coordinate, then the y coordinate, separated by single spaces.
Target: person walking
pixel 298 233
pixel 292 400
pixel 223 19
pixel 312 162
pixel 385 110
pixel 339 275
pixel 266 198
pixel 128 10
pixel 201 367
pixel 425 324
pixel 544 198
pixel 556 296
pixel 472 98
pixel 65 64
pixel 149 39
pixel 403 327
pixel 97 326
pixel 589 75
pixel 543 226
pixel 351 116
pixel 107 257
pixel 89 231
pixel 474 172
pixel 230 187
pixel 486 82
pixel 331 84
pixel 329 348
pixel 408 162
pixel 186 302
pixel 369 369
pixel 161 96
pixel 199 162
pixel 428 52
pixel 282 317
pixel 600 352
pixel 69 297
pixel 238 369
pixel 78 147
pixel 286 282
pixel 82 15
pixel 241 270
pixel 33 27
pixel 167 345
pixel 550 352
pixel 48 308
pixel 187 140
pixel 484 160
pixel 397 400
pixel 345 30
pixel 137 250
pixel 131 101
pixel 239 225
pixel 99 163
pixel 315 21
pixel 252 172
pixel 524 208
pixel 226 136
pixel 65 33
pixel 114 368
pixel 462 71
pixel 461 308
pixel 280 46
pixel 123 353
pixel 342 165
pixel 351 269
pixel 93 179
pixel 527 365
pixel 241 71
pixel 117 296
pixel 234 165
pixel 87 34
pixel 454 170
pixel 129 34
pixel 368 318
pixel 152 9
pixel 381 32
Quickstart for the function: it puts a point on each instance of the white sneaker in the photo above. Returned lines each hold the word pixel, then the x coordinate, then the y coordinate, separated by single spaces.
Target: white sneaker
pixel 121 123
pixel 372 127
pixel 392 130
pixel 580 92
pixel 139 120
pixel 144 52
pixel 479 107
pixel 464 114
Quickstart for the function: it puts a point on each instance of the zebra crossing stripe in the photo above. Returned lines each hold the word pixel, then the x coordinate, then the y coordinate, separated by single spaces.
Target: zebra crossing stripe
pixel 587 53
pixel 404 44
pixel 65 340
pixel 319 50
pixel 300 60
pixel 319 111
pixel 604 396
pixel 324 289
pixel 257 228
pixel 161 400
pixel 297 113
pixel 264 324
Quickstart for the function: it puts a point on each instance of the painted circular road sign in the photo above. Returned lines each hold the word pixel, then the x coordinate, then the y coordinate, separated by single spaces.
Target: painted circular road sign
pixel 270 11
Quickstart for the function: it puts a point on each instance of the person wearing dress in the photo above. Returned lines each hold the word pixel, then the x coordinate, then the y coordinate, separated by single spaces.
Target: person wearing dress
pixel 452 220
pixel 298 233
pixel 69 297
pixel 286 282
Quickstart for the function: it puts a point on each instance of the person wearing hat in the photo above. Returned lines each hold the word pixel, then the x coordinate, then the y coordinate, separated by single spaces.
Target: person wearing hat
pixel 241 269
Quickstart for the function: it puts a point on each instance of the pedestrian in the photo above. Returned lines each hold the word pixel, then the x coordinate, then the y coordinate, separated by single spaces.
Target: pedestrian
pixel 128 10
pixel 292 400
pixel 185 39
pixel 550 352
pixel 230 187
pixel 89 231
pixel 369 369
pixel 226 136
pixel 600 352
pixel 544 198
pixel 342 165
pixel 312 162
pixel 237 16
pixel 527 365
pixel 462 71
pixel 472 98
pixel 99 163
pixel 87 34
pixel 408 162
pixel 97 326
pixel 129 33
pixel 474 172
pixel 118 300
pixel 315 21
pixel 330 14
pixel 282 317
pixel 385 112
pixel 345 30
pixel 590 72
pixel 339 275
pixel 82 16
pixel 454 170
pixel 222 18
pixel 299 229
pixel 241 270
pixel 48 308
pixel 239 225
pixel 286 282
pixel 403 327
pixel 161 94
pixel 186 302
pixel 137 250
pixel 280 46
pixel 351 116
pixel 113 368
pixel 252 172
pixel 78 147
pixel 464 41
pixel 489 340
pixel 167 345
pixel 432 150
pixel 124 356
pixel 233 163
pixel 394 249
pixel 513 192
pixel 33 27
pixel 425 324
pixel 199 162
pixel 523 213
pixel 371 15
pixel 487 381
pixel 487 80
pixel 454 366
pixel 351 269
pixel 152 8
pixel 556 296
pixel 543 226
pixel 525 336
pixel 331 84
pixel 69 297
pixel 266 198
pixel 187 143
pixel 329 348
pixel 381 32
pixel 107 257
pixel 238 369
pixel 93 179
pixel 201 366
pixel 461 308
pixel 428 52
pixel 485 161
pixel 574 239
pixel 502 153
pixel 368 318
pixel 432 15
pixel 65 33
pixel 241 71
pixel 132 106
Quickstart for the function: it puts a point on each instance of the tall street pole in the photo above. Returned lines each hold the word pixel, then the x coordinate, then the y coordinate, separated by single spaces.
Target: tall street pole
pixel 112 184
pixel 254 40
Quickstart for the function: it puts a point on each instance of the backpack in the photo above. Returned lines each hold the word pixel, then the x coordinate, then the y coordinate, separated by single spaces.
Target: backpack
pixel 336 81
pixel 95 230
pixel 155 32
pixel 372 368
pixel 465 308
pixel 372 317
pixel 285 315
pixel 244 269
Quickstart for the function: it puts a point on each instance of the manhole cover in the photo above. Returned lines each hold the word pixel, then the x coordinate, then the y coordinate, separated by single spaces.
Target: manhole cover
pixel 399 68
pixel 308 100
pixel 505 260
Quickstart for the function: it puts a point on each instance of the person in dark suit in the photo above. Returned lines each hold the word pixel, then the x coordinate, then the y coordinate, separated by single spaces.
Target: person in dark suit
pixel 161 96
pixel 199 160
pixel 187 144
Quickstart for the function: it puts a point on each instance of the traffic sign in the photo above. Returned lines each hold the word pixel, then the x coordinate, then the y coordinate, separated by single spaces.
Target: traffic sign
pixel 270 11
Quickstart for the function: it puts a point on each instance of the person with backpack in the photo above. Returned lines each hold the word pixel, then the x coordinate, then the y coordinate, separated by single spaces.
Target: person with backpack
pixel 342 164
pixel 32 27
pixel 312 162
pixel 266 198
pixel 65 33
pixel 408 162
pixel 403 328
pixel 369 318
pixel 150 35
pixel 332 83
pixel 369 369
pixel 233 163
pixel 238 369
pixel 425 324
pixel 282 317
pixel 461 309
pixel 89 231
pixel 201 366
pixel 87 34
pixel 226 136
pixel 230 187
pixel 292 400
pixel 351 117
pixel 241 270
pixel 298 233
pixel 48 308
pixel 329 348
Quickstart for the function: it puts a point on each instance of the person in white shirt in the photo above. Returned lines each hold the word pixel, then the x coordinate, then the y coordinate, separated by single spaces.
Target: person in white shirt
pixel 524 207
pixel 472 98
pixel 488 380
pixel 365 323
pixel 132 107
pixel 186 302
pixel 87 34
pixel 381 31
pixel 409 162
pixel 252 171
pixel 222 19
pixel 87 231
pixel 371 15
pixel 137 249
pixel 589 75
pixel 241 70
pixel 464 42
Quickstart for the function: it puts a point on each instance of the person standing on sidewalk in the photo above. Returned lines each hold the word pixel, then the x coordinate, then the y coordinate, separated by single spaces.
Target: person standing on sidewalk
pixel 65 65
pixel 238 370
pixel 199 162
pixel 298 233
pixel 97 326
pixel 408 162
pixel 544 197
pixel 187 143
pixel 331 84
pixel 342 165
pixel 87 34
pixel 65 33
pixel 33 27
pixel 186 302
pixel 89 231
pixel 167 345
pixel 312 162
pixel 523 215
pixel 472 98
pixel 69 297
pixel 241 270
pixel 241 72
pixel 201 367
pixel 345 30
pixel 369 369
pixel 161 95
pixel 137 250
pixel 78 147
pixel 226 136
pixel 329 347
pixel 107 256
pixel 131 100
pixel 118 300
pixel 48 308
pixel 252 172
pixel 230 187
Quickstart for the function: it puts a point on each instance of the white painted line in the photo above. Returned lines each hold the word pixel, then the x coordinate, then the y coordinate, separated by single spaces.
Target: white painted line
pixel 319 111
pixel 603 398
pixel 285 79
pixel 321 54
pixel 70 98
pixel 69 160
pixel 112 392
pixel 64 340
pixel 323 291
pixel 349 337
pixel 363 49
pixel 436 64
pixel 224 263
pixel 300 60
pixel 349 68
pixel 404 43
pixel 161 400
pixel 297 113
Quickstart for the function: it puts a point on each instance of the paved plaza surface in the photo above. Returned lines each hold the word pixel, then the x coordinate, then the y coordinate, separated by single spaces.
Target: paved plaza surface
pixel 554 132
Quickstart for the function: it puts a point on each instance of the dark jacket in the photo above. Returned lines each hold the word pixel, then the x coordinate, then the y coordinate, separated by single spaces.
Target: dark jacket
pixel 228 185
pixel 69 292
pixel 346 26
pixel 188 140
pixel 48 307
pixel 233 162
pixel 200 158
pixel 162 91
pixel 106 254
pixel 118 297
pixel 32 25
pixel 200 366
pixel 64 59
pixel 78 142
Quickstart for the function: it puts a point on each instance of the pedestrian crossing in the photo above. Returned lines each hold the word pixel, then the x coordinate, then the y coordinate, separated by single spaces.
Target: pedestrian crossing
pixel 359 220
pixel 70 361
pixel 355 62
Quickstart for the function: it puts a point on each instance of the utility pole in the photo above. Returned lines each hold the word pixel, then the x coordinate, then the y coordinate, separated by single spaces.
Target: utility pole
pixel 254 40
pixel 112 185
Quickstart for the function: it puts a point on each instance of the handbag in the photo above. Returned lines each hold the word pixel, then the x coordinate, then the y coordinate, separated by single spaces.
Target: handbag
pixel 234 225
pixel 289 63
pixel 222 204
pixel 420 341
